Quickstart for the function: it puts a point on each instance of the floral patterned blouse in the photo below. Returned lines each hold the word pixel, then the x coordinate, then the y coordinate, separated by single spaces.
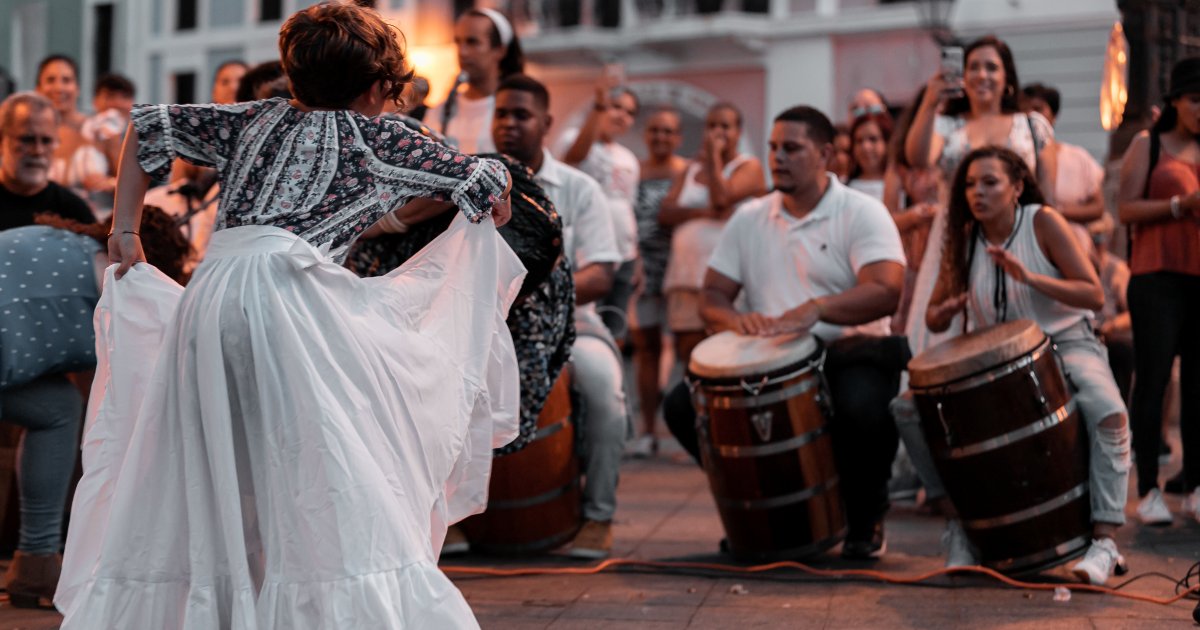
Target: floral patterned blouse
pixel 323 175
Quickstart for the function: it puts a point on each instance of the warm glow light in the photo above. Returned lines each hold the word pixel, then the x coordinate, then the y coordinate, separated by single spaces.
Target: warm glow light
pixel 439 64
pixel 429 44
pixel 1113 93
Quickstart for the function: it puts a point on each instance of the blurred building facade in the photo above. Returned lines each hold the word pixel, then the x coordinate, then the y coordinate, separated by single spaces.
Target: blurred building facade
pixel 761 55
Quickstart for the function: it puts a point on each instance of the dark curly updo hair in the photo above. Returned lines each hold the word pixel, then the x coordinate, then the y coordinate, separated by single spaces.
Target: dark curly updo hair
pixel 333 53
pixel 162 241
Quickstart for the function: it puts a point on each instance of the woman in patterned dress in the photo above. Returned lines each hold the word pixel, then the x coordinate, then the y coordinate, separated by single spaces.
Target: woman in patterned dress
pixel 283 444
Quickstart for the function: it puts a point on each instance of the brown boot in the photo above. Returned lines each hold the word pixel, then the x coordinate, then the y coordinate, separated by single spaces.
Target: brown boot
pixel 593 542
pixel 32 579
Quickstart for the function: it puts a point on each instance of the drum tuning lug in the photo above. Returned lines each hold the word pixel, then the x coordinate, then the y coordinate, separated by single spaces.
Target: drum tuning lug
pixel 945 427
pixel 1122 566
pixel 1038 391
pixel 756 388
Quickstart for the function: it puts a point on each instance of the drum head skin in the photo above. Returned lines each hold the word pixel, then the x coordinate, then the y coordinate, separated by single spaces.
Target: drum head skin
pixel 730 354
pixel 974 352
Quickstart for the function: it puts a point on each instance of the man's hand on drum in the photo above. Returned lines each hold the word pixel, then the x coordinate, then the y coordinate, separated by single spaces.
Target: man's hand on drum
pixel 800 319
pixel 1008 263
pixel 755 324
pixel 941 314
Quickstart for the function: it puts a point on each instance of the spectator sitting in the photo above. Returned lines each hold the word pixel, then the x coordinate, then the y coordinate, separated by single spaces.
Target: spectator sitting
pixel 48 331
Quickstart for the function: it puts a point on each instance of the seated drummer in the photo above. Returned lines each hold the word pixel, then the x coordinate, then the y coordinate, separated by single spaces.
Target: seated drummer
pixel 1007 257
pixel 519 126
pixel 815 256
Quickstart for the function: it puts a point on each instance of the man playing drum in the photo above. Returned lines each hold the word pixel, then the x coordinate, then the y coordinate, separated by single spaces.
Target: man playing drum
pixel 519 126
pixel 817 257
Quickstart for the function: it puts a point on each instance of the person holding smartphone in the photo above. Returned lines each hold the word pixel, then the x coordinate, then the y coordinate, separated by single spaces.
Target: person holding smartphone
pixel 595 151
pixel 961 111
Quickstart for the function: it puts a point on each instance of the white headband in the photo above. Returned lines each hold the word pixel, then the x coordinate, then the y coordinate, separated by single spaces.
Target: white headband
pixel 502 25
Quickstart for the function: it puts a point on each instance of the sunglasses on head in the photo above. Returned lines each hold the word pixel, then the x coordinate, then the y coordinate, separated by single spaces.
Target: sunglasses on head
pixel 859 112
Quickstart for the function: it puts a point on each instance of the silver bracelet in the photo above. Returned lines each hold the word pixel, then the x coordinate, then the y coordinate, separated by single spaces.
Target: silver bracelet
pixel 1175 209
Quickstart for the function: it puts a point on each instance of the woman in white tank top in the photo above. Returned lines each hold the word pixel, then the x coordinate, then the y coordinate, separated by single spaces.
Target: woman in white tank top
pixel 697 206
pixel 1007 256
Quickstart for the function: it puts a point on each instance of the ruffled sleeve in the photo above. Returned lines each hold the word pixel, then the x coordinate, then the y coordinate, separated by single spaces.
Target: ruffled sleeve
pixel 409 164
pixel 204 135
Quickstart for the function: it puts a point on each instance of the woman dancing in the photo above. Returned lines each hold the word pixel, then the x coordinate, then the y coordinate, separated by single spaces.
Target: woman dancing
pixel 283 444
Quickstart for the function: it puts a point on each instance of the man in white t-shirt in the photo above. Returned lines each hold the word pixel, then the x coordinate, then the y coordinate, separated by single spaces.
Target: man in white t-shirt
pixel 519 126
pixel 488 50
pixel 817 257
pixel 1078 179
pixel 596 152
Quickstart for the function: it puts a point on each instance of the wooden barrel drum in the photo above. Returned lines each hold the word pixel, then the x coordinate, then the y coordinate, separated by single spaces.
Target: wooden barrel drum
pixel 534 499
pixel 1009 443
pixel 762 422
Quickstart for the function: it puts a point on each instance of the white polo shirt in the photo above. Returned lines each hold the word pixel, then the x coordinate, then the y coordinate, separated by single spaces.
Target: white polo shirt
pixel 781 261
pixel 587 223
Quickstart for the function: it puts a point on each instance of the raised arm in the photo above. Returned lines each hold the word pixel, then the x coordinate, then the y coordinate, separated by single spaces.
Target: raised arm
pixel 1079 286
pixel 924 145
pixel 591 126
pixel 746 181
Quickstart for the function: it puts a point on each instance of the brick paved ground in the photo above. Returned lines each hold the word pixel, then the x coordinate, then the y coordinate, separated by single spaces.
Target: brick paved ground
pixel 666 512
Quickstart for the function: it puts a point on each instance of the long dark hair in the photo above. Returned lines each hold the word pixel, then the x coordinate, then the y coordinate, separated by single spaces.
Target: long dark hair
pixel 1012 86
pixel 961 226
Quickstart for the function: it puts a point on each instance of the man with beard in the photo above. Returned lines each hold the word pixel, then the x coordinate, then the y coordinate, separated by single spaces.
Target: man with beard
pixel 816 257
pixel 519 126
pixel 28 137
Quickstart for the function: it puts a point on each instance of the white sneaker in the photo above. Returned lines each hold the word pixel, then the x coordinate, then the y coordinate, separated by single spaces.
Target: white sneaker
pixel 1099 562
pixel 1152 510
pixel 1191 505
pixel 642 446
pixel 958 550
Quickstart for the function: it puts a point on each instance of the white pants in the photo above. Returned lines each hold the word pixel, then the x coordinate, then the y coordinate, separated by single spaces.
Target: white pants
pixel 602 421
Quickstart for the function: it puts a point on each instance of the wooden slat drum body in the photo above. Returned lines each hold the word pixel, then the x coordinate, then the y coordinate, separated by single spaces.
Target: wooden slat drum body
pixel 1009 443
pixel 534 500
pixel 765 445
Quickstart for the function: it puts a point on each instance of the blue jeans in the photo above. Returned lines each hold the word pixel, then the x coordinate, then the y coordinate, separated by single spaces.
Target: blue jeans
pixel 50 409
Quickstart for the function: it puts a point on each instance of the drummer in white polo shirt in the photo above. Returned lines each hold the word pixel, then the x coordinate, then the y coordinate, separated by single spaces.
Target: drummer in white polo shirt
pixel 519 127
pixel 815 256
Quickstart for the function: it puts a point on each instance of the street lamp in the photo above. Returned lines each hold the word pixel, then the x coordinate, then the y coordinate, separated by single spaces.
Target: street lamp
pixel 935 19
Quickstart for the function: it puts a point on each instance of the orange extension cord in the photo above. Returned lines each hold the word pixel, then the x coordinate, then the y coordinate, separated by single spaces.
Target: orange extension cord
pixel 842 573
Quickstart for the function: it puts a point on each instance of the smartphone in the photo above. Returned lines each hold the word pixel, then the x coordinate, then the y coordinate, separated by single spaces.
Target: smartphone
pixel 952 70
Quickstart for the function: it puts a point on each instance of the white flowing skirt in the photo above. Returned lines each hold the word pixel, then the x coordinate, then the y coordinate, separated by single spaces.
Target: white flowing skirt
pixel 283 444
